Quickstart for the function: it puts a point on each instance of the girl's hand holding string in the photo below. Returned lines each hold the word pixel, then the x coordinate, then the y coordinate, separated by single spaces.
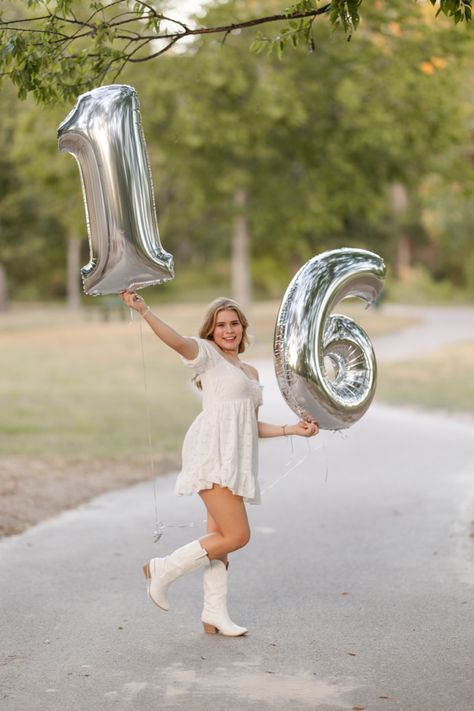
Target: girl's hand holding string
pixel 303 428
pixel 186 347
pixel 133 301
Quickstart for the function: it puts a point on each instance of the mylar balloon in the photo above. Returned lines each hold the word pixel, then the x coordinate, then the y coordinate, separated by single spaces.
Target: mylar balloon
pixel 104 134
pixel 325 364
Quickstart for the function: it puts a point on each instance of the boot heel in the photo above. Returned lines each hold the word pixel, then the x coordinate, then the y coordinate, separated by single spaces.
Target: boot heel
pixel 209 629
pixel 146 571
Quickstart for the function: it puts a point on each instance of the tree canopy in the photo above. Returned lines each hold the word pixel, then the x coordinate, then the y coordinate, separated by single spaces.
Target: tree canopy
pixel 56 49
pixel 367 143
pixel 315 145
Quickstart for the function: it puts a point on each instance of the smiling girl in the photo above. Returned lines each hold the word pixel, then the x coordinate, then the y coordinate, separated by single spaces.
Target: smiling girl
pixel 219 453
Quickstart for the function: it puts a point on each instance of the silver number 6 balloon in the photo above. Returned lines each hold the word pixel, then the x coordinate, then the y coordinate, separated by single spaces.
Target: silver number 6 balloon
pixel 104 134
pixel 325 363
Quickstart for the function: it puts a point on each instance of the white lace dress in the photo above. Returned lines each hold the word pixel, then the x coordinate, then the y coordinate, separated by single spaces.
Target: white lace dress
pixel 220 447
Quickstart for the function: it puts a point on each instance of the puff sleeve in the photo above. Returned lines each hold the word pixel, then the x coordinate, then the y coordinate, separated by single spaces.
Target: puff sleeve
pixel 205 359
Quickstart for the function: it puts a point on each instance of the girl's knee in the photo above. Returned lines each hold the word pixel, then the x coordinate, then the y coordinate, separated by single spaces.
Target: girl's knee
pixel 240 539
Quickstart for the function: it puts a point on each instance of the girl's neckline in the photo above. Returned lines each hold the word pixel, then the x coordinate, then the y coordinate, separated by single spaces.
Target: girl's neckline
pixel 236 367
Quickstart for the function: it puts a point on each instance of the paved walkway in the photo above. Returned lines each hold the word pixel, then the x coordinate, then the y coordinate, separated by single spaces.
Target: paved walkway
pixel 436 327
pixel 357 586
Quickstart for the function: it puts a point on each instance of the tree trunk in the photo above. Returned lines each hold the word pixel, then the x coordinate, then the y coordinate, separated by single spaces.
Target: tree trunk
pixel 3 290
pixel 403 257
pixel 240 259
pixel 73 273
pixel 403 247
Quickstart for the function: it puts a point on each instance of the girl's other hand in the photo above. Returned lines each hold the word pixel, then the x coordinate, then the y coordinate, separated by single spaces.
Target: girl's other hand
pixel 304 428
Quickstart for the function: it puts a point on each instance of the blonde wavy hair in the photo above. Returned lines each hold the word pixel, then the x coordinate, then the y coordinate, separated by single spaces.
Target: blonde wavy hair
pixel 210 319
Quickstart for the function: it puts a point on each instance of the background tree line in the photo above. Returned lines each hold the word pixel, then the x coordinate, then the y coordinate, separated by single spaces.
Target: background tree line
pixel 262 162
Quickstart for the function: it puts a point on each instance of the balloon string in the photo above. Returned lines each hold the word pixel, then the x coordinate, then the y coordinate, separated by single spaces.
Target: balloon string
pixel 294 466
pixel 159 525
pixel 286 473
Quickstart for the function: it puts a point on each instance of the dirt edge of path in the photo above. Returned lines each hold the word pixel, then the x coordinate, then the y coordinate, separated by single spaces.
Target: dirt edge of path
pixel 35 489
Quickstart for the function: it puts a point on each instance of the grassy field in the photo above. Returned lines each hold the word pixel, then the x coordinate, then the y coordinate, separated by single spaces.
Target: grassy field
pixel 82 398
pixel 76 386
pixel 443 380
pixel 73 384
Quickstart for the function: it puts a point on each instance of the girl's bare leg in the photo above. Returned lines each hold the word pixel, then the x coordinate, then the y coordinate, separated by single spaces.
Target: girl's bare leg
pixel 212 528
pixel 229 518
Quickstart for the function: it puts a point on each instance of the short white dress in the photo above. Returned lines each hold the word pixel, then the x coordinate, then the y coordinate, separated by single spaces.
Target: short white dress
pixel 221 446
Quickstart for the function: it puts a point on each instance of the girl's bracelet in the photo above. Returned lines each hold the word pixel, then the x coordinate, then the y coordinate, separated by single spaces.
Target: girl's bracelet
pixel 146 311
pixel 284 431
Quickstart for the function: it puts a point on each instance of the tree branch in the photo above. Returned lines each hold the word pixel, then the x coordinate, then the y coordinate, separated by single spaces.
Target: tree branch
pixel 115 33
pixel 186 31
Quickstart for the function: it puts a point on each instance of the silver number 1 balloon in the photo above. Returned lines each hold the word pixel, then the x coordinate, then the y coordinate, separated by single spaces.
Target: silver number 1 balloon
pixel 325 363
pixel 104 134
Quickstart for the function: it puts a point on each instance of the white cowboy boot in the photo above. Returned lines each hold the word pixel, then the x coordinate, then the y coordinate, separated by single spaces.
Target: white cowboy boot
pixel 162 571
pixel 215 617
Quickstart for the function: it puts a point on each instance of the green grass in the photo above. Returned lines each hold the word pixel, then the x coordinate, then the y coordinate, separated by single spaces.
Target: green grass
pixel 441 380
pixel 72 385
pixel 75 416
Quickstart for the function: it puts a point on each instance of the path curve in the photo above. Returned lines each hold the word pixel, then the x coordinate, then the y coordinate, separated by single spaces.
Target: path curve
pixel 436 327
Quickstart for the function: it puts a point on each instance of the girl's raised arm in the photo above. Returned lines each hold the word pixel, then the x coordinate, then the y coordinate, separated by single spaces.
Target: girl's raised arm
pixel 186 347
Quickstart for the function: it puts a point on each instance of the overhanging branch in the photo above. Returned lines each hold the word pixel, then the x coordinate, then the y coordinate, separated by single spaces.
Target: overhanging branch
pixel 27 25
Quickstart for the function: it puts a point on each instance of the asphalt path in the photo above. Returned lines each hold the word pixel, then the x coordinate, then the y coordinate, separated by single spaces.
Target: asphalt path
pixel 434 327
pixel 357 586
